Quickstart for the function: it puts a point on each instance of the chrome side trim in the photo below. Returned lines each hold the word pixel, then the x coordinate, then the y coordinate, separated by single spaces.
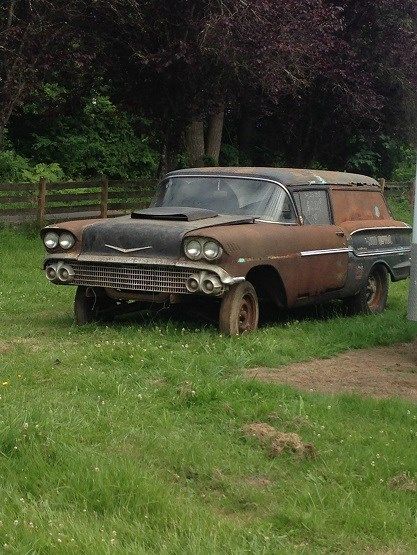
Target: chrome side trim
pixel 276 223
pixel 385 228
pixel 326 251
pixel 399 250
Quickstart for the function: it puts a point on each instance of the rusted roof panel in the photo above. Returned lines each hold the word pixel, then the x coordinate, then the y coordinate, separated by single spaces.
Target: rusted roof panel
pixel 286 176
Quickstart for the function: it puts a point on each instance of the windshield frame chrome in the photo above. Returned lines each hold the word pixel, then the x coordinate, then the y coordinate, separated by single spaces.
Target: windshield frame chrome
pixel 243 177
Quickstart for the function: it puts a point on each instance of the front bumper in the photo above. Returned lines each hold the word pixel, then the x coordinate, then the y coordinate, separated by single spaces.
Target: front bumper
pixel 137 274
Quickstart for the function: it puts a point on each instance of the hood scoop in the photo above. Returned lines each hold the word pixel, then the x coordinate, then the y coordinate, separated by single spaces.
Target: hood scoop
pixel 179 214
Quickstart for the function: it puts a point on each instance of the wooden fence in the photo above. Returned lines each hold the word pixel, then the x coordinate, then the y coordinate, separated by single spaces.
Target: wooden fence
pixel 397 187
pixel 45 201
pixel 98 198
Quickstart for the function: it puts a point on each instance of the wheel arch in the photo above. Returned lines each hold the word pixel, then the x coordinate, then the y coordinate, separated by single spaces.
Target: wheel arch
pixel 268 284
pixel 383 263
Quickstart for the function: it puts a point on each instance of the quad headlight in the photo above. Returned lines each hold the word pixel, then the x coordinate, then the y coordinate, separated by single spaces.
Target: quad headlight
pixel 193 249
pixel 211 250
pixel 198 248
pixel 53 239
pixel 66 241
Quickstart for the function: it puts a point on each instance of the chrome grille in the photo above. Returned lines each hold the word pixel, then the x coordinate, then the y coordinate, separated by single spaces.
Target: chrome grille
pixel 159 279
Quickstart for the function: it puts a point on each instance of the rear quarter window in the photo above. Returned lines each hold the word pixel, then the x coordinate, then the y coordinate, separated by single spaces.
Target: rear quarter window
pixel 358 205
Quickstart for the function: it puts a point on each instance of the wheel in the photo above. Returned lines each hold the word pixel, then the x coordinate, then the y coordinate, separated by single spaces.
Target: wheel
pixel 92 305
pixel 372 298
pixel 239 310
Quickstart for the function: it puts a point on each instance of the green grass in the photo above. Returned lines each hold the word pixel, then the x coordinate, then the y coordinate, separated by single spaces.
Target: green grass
pixel 400 207
pixel 128 439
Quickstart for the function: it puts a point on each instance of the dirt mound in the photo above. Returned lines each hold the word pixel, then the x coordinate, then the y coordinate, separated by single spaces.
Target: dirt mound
pixel 378 372
pixel 277 442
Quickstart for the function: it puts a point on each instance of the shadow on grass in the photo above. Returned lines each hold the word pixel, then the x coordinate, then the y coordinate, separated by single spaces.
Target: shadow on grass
pixel 206 314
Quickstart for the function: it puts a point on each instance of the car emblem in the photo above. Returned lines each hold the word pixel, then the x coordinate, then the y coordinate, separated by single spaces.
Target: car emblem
pixel 120 249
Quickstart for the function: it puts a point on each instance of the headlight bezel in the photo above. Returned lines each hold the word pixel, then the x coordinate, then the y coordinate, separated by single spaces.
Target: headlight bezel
pixel 51 234
pixel 188 254
pixel 57 246
pixel 202 241
pixel 71 238
pixel 217 250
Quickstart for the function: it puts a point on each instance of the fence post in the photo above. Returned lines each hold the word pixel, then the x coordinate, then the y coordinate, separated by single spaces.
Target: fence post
pixel 382 184
pixel 42 201
pixel 104 197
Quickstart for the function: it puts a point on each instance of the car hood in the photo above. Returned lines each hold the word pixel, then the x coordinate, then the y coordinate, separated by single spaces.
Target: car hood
pixel 147 237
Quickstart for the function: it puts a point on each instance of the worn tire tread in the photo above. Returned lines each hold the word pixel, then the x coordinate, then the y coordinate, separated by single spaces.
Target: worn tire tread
pixel 230 305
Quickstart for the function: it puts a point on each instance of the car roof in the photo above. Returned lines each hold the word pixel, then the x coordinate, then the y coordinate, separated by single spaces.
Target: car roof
pixel 285 176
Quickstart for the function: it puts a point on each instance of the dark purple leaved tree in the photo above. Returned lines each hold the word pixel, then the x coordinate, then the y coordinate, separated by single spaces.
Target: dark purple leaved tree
pixel 37 41
pixel 182 63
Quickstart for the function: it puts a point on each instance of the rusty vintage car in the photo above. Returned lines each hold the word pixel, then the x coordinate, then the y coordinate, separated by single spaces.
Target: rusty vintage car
pixel 239 237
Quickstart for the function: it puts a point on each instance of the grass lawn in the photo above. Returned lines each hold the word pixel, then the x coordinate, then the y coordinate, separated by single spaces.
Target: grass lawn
pixel 128 438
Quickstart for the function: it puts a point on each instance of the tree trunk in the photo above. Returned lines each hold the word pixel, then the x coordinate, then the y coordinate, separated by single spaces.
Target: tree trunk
pixel 168 160
pixel 194 143
pixel 214 135
pixel 10 15
pixel 246 132
pixel 2 134
pixel 5 113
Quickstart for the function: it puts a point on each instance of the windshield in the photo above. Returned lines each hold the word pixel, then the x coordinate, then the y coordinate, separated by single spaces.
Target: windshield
pixel 228 195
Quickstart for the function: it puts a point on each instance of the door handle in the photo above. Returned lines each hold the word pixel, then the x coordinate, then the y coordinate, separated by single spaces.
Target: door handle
pixel 340 233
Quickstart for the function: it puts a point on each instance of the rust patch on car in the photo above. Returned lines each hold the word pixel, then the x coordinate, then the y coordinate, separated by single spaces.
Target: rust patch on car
pixel 379 372
pixel 276 442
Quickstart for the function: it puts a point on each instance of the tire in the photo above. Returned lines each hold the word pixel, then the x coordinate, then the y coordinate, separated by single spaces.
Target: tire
pixel 92 305
pixel 239 310
pixel 372 298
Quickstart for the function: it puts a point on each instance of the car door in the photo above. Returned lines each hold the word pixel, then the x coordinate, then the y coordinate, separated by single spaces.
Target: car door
pixel 324 253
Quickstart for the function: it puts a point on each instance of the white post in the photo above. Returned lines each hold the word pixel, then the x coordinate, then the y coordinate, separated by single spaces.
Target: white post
pixel 412 297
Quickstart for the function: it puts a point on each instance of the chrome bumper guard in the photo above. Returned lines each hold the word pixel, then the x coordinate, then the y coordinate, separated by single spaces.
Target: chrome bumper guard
pixel 141 275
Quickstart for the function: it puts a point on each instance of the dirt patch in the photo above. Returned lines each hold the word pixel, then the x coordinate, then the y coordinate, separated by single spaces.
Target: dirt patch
pixel 403 482
pixel 378 372
pixel 5 347
pixel 277 442
pixel 258 481
pixel 31 343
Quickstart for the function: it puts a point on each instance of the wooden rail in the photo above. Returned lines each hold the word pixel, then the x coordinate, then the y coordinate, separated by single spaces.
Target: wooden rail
pixel 97 198
pixel 397 186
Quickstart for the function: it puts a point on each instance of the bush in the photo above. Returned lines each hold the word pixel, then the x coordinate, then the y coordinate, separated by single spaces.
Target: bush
pixel 405 167
pixel 15 168
pixel 100 140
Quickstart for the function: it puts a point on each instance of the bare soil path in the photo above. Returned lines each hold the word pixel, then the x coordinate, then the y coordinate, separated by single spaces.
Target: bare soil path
pixel 378 372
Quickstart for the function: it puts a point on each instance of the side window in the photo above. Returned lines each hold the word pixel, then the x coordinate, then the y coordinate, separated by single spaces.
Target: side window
pixel 314 207
pixel 287 213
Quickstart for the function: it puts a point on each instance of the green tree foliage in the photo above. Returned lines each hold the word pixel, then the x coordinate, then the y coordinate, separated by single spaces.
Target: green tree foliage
pixel 317 83
pixel 15 168
pixel 99 140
